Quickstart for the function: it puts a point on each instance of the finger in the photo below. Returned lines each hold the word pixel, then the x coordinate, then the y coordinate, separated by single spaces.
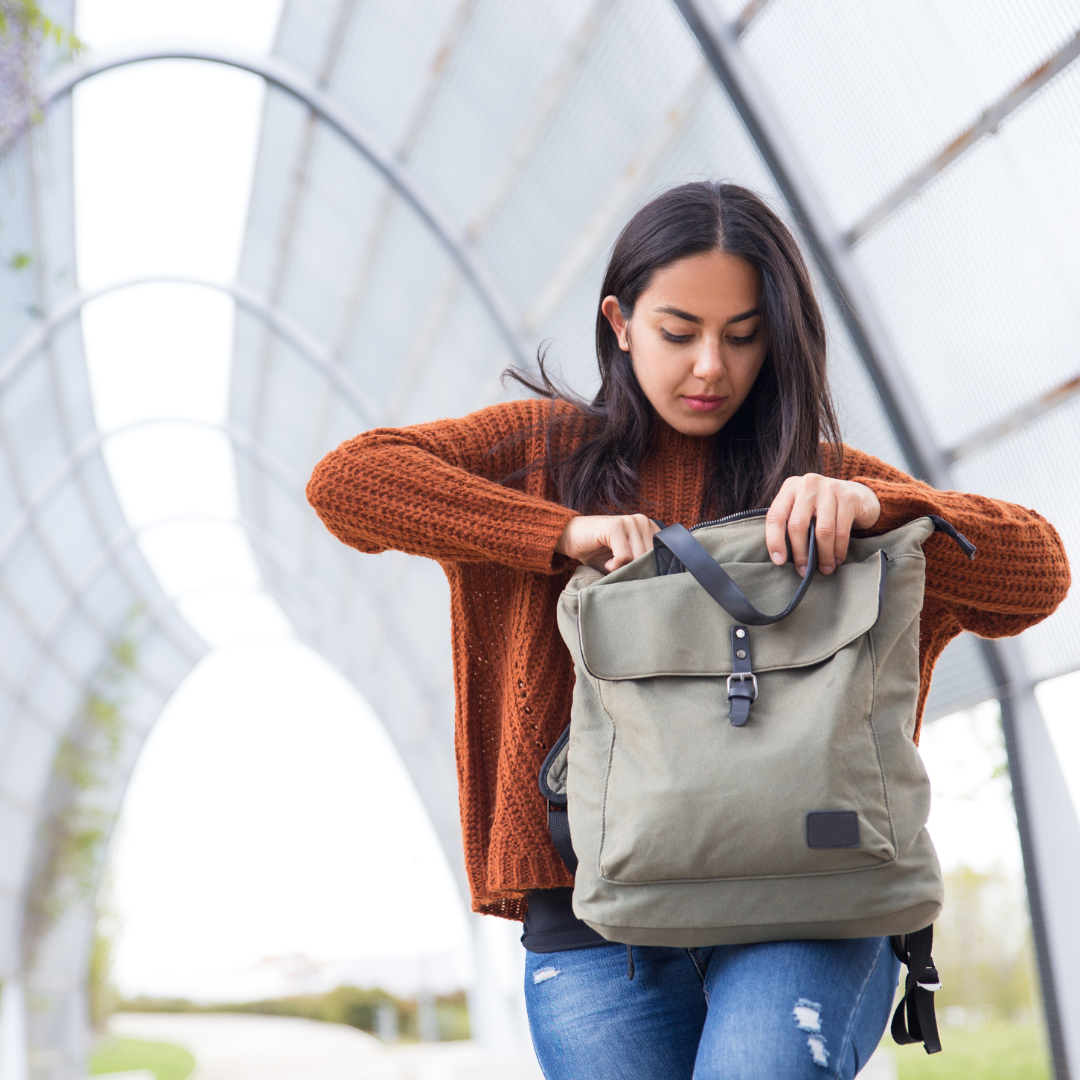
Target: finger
pixel 825 530
pixel 619 542
pixel 776 521
pixel 640 531
pixel 798 524
pixel 598 559
pixel 847 509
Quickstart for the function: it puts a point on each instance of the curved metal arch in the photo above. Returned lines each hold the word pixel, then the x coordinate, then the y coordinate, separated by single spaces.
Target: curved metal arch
pixel 282 75
pixel 310 348
pixel 278 472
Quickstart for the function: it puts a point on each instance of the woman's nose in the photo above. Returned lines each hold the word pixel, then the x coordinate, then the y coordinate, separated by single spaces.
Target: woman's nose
pixel 709 363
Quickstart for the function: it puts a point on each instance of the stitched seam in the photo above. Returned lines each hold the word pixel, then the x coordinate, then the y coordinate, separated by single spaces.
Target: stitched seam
pixel 607 783
pixel 877 745
pixel 858 1004
pixel 698 968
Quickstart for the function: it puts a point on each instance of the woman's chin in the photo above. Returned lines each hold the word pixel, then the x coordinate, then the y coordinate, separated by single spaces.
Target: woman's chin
pixel 688 421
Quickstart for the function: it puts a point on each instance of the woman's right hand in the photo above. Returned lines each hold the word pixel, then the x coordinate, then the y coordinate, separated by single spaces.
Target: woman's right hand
pixel 606 543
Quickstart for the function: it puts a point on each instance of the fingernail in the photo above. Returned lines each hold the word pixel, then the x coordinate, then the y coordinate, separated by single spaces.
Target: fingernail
pixel 778 557
pixel 826 569
pixel 802 571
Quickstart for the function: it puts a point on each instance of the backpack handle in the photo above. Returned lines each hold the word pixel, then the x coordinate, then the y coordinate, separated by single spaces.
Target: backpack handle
pixel 717 583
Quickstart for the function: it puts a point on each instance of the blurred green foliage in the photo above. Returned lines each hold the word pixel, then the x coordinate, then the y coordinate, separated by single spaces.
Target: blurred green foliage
pixel 982 946
pixel 76 827
pixel 26 19
pixel 997 1051
pixel 165 1061
pixel 343 1005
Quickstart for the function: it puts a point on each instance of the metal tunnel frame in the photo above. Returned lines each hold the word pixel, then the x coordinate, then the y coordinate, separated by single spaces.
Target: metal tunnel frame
pixel 293 82
pixel 1049 886
pixel 1021 718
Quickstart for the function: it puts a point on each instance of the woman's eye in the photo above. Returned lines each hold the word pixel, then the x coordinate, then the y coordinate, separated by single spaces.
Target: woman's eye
pixel 677 339
pixel 743 340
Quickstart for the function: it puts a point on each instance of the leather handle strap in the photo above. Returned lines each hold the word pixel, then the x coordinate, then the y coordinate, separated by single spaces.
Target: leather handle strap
pixel 717 583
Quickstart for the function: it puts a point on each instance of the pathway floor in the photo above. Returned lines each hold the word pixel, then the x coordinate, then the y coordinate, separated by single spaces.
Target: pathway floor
pixel 241 1047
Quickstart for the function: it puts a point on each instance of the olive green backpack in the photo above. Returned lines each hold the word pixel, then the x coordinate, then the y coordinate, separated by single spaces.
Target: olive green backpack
pixel 729 776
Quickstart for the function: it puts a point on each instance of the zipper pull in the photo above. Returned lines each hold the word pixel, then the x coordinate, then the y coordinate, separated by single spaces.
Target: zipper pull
pixel 941 525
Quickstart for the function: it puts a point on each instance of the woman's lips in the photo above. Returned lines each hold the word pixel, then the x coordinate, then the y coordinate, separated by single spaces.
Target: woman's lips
pixel 704 404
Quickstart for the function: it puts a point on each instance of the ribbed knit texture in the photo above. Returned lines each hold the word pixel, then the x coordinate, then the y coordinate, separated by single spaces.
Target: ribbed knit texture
pixel 434 490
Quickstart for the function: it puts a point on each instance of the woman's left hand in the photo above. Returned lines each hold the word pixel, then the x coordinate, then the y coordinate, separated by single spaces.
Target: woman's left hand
pixel 838 505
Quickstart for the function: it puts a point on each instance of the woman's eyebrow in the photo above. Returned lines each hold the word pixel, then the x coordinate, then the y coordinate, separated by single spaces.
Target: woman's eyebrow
pixel 680 314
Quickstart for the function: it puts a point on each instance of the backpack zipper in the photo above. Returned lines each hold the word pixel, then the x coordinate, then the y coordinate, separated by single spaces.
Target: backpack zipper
pixel 940 525
pixel 731 517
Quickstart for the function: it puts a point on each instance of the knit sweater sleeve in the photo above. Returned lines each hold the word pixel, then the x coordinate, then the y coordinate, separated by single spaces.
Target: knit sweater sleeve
pixel 433 490
pixel 1020 573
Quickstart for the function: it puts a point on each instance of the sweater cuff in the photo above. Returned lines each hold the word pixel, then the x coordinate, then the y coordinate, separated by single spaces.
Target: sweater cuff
pixel 901 502
pixel 545 528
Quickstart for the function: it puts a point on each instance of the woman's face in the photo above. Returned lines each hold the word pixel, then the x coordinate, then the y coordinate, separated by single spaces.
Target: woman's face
pixel 695 339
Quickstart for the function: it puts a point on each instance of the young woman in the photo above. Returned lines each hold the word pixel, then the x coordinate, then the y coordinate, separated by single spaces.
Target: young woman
pixel 713 399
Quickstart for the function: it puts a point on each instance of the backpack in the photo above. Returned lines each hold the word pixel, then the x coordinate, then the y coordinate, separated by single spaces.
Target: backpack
pixel 730 776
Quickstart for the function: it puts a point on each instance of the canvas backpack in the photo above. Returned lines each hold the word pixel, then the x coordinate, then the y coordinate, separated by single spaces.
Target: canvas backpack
pixel 729 776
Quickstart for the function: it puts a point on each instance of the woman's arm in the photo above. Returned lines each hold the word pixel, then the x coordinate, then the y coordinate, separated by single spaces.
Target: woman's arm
pixel 1020 573
pixel 433 490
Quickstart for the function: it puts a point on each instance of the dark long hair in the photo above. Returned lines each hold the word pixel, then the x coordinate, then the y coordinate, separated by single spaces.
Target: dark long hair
pixel 778 430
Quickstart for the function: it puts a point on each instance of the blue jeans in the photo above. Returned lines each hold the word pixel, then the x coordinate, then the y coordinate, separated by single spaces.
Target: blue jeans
pixel 774 1011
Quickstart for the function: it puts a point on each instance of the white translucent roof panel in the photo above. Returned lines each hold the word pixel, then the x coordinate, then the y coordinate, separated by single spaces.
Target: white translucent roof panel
pixel 871 92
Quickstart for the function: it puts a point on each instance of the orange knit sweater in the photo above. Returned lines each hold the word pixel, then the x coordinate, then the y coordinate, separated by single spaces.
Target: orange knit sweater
pixel 434 490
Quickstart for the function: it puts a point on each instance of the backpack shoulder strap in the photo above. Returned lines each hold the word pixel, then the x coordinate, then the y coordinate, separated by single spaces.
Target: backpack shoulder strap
pixel 914 1020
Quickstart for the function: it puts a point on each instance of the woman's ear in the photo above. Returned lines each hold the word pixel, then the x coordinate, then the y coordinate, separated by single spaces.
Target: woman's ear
pixel 619 323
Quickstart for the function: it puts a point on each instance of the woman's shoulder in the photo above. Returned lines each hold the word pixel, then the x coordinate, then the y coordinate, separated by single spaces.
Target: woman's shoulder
pixel 846 462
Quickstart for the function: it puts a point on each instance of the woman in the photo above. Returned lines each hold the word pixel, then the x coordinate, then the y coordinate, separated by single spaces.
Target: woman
pixel 713 400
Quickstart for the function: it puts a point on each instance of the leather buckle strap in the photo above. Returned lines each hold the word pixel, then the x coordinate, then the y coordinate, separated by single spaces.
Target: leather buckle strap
pixel 743 677
pixel 742 688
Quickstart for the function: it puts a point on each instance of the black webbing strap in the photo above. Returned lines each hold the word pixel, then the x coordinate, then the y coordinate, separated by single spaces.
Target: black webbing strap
pixel 559 827
pixel 914 1020
pixel 715 580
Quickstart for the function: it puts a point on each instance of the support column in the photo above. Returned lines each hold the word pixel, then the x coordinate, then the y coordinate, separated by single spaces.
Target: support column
pixel 1049 830
pixel 14 1043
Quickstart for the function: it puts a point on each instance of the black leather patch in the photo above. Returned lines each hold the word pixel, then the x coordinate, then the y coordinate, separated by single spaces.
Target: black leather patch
pixel 832 829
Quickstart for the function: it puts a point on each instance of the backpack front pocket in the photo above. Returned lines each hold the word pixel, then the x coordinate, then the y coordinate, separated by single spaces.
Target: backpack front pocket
pixel 797 790
pixel 689 796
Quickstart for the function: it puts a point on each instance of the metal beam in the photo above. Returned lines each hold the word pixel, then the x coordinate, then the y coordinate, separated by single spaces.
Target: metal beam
pixel 987 124
pixel 1037 778
pixel 719 42
pixel 285 77
pixel 1015 420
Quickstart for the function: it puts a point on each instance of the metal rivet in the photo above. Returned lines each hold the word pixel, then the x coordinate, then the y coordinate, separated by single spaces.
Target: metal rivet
pixel 741 654
pixel 740 632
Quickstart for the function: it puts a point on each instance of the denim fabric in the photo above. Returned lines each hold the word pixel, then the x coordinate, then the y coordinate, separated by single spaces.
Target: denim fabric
pixel 787 1009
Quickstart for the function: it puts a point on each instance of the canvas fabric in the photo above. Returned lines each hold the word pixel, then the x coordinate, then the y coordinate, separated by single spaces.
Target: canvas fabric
pixel 690 831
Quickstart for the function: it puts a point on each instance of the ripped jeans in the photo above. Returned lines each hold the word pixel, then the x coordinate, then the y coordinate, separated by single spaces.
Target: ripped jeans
pixel 774 1011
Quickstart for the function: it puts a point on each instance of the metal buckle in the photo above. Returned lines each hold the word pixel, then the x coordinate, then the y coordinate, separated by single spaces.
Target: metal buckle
pixel 742 676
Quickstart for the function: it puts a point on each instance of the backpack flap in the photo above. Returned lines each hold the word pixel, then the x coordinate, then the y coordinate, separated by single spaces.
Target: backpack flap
pixel 671 626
